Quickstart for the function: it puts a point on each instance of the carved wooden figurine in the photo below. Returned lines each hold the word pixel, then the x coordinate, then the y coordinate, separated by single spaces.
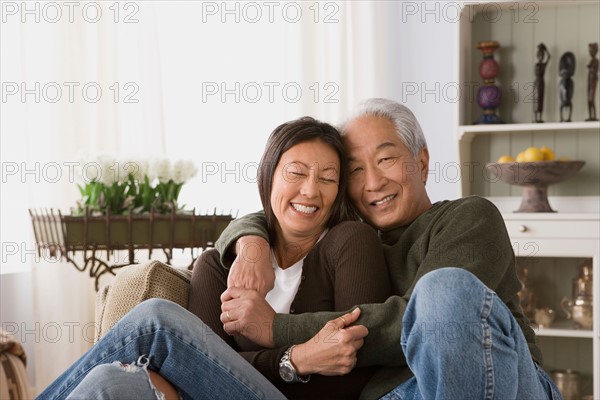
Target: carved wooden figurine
pixel 566 71
pixel 592 82
pixel 543 56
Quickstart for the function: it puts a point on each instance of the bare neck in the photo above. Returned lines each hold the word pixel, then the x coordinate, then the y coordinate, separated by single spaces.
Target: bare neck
pixel 289 249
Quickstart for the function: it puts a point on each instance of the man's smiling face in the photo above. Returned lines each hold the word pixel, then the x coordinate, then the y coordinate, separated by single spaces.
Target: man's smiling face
pixel 387 184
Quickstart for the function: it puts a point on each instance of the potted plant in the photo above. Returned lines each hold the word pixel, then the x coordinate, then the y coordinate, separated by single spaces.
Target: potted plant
pixel 126 205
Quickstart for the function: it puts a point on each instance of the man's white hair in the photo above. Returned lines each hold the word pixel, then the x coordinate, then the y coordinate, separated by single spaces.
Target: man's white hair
pixel 407 127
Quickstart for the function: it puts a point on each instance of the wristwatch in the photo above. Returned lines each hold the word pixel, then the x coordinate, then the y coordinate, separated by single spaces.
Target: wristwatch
pixel 287 370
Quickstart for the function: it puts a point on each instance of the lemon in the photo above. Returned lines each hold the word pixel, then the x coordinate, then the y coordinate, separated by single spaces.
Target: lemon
pixel 548 154
pixel 521 157
pixel 532 154
pixel 506 159
pixel 564 159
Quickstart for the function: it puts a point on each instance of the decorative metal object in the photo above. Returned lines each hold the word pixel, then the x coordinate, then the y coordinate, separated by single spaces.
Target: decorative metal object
pixel 579 308
pixel 64 235
pixel 543 56
pixel 527 297
pixel 566 71
pixel 583 284
pixel 568 383
pixel 592 82
pixel 544 317
pixel 488 95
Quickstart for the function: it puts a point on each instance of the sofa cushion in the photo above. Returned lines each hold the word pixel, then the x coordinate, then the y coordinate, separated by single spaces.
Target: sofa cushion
pixel 135 283
pixel 14 382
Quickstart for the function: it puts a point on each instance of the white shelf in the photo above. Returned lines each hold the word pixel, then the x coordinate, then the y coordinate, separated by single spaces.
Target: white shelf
pixel 510 4
pixel 471 130
pixel 563 329
pixel 576 208
pixel 551 216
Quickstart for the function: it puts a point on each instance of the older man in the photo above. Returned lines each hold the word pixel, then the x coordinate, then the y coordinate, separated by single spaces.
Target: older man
pixel 454 328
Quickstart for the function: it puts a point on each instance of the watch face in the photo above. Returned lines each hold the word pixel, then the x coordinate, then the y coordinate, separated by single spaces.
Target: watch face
pixel 286 373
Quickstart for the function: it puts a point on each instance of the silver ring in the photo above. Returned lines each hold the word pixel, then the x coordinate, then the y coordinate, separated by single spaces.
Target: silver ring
pixel 228 316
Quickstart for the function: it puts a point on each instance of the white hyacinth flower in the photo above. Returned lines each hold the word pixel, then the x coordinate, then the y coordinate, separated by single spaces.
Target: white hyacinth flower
pixel 80 173
pixel 152 172
pixel 90 171
pixel 137 167
pixel 191 169
pixel 163 169
pixel 183 170
pixel 110 170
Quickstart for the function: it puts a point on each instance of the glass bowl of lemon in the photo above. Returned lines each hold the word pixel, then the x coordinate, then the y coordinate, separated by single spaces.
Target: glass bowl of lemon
pixel 534 169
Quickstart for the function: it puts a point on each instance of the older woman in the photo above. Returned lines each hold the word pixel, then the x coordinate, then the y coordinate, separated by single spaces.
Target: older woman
pixel 321 262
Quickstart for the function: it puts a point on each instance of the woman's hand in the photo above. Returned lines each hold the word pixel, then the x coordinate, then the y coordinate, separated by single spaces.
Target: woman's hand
pixel 252 267
pixel 332 351
pixel 247 313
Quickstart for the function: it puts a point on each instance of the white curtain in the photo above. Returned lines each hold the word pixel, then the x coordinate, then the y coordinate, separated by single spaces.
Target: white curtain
pixel 60 82
pixel 230 77
pixel 206 81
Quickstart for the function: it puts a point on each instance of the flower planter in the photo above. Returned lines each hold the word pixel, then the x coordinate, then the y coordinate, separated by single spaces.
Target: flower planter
pixel 64 235
pixel 120 232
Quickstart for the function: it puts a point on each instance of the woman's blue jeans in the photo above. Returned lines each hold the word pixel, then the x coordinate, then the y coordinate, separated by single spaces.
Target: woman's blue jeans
pixel 177 345
pixel 462 342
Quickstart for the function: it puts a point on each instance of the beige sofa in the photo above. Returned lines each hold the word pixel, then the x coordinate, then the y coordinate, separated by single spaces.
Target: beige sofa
pixel 136 283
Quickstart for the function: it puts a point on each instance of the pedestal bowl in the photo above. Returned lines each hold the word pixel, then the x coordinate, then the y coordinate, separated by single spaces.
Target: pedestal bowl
pixel 535 177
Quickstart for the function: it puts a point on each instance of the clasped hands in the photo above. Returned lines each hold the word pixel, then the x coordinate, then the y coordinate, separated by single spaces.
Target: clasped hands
pixel 244 311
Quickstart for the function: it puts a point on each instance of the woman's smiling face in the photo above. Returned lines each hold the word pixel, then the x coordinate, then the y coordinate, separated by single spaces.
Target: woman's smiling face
pixel 304 188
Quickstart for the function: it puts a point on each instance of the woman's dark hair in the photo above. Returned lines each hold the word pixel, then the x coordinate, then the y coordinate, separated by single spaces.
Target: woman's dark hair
pixel 283 138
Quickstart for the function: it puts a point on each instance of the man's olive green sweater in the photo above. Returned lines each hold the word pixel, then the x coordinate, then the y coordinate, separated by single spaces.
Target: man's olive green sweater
pixel 467 233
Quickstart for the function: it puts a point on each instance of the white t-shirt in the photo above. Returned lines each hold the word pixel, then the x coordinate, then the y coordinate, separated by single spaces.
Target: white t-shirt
pixel 286 286
pixel 287 282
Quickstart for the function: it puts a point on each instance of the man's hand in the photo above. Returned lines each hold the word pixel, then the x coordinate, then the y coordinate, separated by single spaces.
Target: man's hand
pixel 332 351
pixel 252 267
pixel 246 312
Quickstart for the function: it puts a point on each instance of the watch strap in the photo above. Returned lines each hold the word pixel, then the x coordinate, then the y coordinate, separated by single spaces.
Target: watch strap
pixel 286 362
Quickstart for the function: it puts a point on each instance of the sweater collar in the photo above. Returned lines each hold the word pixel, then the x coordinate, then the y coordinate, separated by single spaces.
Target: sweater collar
pixel 393 235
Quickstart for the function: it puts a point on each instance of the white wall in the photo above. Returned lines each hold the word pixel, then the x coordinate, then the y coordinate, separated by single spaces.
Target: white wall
pixel 421 64
pixel 412 48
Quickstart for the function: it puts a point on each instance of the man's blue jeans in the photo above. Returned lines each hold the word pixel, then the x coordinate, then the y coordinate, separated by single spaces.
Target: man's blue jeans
pixel 177 345
pixel 462 342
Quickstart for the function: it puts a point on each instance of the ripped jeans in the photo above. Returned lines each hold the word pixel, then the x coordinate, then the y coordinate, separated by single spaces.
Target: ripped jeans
pixel 178 346
pixel 117 380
